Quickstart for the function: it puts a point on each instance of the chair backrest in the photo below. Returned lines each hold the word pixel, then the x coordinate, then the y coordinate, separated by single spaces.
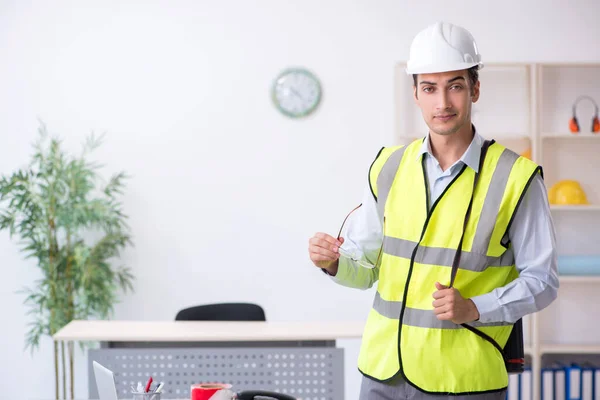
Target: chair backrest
pixel 222 312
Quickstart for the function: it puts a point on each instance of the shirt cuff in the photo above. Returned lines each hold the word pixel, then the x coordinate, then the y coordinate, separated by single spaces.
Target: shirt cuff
pixel 342 272
pixel 489 308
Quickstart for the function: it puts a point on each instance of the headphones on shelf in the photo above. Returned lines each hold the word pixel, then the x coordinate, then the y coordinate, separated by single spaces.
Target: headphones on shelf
pixel 574 125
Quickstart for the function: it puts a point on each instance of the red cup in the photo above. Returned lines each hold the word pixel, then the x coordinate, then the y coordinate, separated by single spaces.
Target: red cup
pixel 205 391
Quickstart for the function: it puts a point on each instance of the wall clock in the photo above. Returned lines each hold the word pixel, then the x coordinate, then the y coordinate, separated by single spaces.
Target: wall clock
pixel 296 92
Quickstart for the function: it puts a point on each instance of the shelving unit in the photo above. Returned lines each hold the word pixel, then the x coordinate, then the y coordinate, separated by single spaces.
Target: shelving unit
pixel 584 208
pixel 570 136
pixel 527 106
pixel 570 349
pixel 592 280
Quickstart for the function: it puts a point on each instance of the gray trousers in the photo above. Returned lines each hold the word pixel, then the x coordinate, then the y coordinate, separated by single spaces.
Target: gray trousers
pixel 399 389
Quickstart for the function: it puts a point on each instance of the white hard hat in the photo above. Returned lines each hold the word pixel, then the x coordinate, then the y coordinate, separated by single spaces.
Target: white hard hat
pixel 442 47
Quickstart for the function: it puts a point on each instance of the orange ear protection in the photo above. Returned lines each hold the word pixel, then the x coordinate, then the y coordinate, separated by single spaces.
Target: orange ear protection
pixel 574 125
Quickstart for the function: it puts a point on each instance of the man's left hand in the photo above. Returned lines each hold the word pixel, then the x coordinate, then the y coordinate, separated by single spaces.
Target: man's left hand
pixel 449 305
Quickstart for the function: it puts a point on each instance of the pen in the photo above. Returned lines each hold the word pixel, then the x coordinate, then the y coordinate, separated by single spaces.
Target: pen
pixel 159 388
pixel 148 385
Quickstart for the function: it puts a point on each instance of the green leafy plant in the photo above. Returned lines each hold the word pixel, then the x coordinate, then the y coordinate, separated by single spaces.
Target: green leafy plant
pixel 74 228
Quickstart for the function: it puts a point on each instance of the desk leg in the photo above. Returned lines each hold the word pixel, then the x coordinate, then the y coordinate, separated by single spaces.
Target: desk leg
pixel 57 345
pixel 71 345
pixel 64 365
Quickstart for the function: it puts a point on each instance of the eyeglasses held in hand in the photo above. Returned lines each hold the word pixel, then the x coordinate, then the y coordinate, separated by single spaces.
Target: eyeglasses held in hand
pixel 351 254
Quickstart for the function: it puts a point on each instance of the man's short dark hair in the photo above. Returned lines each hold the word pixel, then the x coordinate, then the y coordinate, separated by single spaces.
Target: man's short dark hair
pixel 473 74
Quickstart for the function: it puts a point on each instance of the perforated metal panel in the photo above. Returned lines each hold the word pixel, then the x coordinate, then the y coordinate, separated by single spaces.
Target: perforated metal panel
pixel 306 373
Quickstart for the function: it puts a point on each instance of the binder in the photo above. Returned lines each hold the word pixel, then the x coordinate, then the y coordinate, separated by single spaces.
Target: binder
pixel 526 385
pixel 587 381
pixel 513 387
pixel 573 382
pixel 576 381
pixel 560 389
pixel 596 384
pixel 547 383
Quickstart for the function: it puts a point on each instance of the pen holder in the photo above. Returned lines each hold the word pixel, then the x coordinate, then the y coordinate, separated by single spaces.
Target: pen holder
pixel 146 396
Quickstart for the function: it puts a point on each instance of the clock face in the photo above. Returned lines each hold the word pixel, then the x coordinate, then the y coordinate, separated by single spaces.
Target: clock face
pixel 296 92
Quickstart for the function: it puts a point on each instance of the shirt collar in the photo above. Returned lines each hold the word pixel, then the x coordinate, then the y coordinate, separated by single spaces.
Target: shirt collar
pixel 470 156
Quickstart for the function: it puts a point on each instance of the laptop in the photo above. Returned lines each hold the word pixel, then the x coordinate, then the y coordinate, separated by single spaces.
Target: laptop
pixel 105 382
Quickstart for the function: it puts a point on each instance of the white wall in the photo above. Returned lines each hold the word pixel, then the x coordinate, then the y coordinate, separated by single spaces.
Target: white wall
pixel 225 191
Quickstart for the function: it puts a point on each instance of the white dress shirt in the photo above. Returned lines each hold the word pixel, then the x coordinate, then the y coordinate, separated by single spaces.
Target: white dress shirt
pixel 531 234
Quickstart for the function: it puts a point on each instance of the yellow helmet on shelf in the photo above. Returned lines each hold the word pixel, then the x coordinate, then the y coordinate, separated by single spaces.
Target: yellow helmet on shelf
pixel 567 192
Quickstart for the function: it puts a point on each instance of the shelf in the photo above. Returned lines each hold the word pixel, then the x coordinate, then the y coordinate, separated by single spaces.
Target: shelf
pixel 595 279
pixel 571 136
pixel 590 207
pixel 570 348
pixel 570 65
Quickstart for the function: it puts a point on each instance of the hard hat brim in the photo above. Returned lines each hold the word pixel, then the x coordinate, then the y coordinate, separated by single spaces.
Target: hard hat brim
pixel 433 69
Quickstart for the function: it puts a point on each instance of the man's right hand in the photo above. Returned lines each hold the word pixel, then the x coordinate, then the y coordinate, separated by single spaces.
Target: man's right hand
pixel 323 251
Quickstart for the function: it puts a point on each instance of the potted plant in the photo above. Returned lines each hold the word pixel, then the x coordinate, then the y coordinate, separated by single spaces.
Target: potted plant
pixel 74 228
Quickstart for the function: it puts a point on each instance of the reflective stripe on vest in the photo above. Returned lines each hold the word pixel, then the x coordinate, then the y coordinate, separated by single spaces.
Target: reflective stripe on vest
pixel 420 318
pixel 418 249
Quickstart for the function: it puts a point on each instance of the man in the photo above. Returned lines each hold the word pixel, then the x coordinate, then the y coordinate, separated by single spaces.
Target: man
pixel 436 331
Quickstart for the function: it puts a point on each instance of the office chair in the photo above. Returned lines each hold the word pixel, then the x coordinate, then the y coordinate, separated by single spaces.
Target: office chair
pixel 222 312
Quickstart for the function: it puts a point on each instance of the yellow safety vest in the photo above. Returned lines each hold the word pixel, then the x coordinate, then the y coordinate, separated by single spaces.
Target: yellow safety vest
pixel 402 333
